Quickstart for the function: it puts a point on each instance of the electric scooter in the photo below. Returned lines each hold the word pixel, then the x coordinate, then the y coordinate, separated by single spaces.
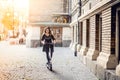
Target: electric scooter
pixel 49 64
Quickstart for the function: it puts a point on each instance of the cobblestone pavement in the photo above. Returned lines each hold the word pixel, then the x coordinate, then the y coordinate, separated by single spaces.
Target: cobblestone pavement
pixel 20 63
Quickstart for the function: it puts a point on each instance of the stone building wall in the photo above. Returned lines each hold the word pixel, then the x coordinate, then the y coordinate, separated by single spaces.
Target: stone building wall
pixel 84 33
pixel 106 30
pixel 92 32
pixel 66 36
pixel 99 55
pixel 44 13
pixel 33 36
pixel 42 10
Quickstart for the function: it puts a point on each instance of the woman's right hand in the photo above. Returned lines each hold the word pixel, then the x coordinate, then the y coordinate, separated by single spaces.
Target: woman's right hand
pixel 42 42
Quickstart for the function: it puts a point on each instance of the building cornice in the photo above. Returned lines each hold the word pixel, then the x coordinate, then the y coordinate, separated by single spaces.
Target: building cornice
pixel 61 14
pixel 74 22
pixel 96 9
pixel 50 24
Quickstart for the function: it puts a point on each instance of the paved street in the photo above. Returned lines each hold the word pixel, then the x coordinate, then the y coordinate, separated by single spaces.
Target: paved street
pixel 20 63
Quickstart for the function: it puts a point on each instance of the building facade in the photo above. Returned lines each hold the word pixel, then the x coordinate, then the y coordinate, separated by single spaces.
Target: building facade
pixel 95 28
pixel 75 13
pixel 91 27
pixel 54 14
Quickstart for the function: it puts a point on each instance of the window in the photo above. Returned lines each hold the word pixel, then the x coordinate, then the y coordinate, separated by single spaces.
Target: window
pixel 87 32
pixel 78 33
pixel 98 36
pixel 81 33
pixel 89 5
pixel 82 11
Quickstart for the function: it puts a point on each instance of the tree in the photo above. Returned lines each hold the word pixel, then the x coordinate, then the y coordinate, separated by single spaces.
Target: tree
pixel 9 20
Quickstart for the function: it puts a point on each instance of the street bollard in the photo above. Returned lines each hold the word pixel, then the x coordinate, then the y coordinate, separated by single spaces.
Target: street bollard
pixel 75 52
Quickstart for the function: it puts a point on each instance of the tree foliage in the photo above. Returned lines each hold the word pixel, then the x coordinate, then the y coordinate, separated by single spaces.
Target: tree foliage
pixel 10 21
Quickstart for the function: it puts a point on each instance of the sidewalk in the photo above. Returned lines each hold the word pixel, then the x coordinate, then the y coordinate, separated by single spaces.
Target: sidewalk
pixel 20 63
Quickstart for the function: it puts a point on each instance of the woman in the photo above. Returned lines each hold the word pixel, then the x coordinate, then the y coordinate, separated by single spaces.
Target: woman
pixel 48 42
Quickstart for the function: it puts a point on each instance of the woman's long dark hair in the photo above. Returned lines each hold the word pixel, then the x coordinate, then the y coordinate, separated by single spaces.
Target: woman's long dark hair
pixel 48 29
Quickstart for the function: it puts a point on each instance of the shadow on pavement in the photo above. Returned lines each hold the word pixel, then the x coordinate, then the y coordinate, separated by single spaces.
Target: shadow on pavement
pixel 60 76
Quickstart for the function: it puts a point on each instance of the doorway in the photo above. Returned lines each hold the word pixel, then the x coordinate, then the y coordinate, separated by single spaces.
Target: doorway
pixel 98 36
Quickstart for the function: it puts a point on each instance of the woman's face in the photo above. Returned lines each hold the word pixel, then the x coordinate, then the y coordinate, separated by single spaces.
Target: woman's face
pixel 47 31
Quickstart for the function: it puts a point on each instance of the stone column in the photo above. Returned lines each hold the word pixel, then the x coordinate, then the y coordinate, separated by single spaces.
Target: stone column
pixel 106 59
pixel 92 54
pixel 83 50
pixel 75 33
pixel 118 41
pixel 33 37
pixel 72 37
pixel 66 36
pixel 78 38
pixel 118 70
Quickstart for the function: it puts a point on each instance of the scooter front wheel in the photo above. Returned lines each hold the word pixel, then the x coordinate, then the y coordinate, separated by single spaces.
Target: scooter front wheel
pixel 49 66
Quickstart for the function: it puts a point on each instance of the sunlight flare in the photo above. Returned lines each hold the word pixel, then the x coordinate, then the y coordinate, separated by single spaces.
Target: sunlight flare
pixel 21 4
